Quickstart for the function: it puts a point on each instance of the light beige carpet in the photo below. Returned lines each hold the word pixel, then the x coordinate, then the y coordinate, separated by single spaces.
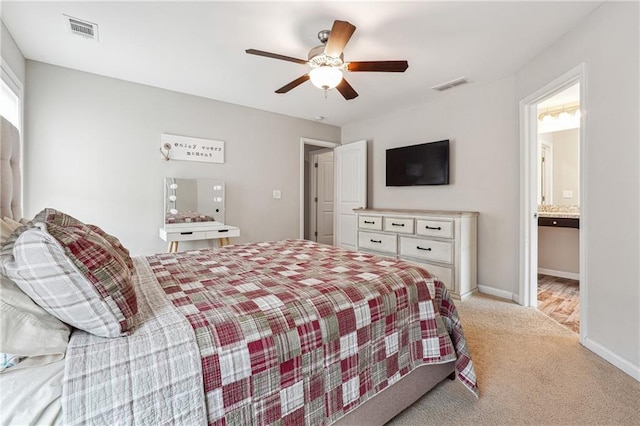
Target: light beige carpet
pixel 531 370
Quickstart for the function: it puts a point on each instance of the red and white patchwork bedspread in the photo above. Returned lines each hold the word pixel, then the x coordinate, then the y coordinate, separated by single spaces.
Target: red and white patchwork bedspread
pixel 297 332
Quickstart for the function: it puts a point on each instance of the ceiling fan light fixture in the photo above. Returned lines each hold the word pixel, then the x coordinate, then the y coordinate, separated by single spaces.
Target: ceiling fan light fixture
pixel 325 77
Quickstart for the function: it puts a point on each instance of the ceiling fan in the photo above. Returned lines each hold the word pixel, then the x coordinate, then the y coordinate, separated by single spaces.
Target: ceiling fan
pixel 327 62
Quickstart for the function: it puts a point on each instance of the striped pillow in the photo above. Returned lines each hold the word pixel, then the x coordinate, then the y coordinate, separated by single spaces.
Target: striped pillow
pixel 73 273
pixel 57 217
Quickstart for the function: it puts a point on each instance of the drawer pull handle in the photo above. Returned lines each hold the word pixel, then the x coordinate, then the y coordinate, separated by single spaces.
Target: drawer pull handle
pixel 223 230
pixel 397 224
pixel 376 241
pixel 436 228
pixel 186 233
pixel 422 248
pixel 370 222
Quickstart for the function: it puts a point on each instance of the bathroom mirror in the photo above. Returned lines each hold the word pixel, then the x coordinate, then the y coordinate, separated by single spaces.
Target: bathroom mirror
pixel 559 166
pixel 559 149
pixel 192 203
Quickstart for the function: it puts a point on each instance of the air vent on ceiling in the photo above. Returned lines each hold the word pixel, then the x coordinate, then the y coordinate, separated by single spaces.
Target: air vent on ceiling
pixel 450 84
pixel 82 28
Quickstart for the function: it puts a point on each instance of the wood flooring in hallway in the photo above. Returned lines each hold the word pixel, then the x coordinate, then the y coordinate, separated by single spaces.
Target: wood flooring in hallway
pixel 559 298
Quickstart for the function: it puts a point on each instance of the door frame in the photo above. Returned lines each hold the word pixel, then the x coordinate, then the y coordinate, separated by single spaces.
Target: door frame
pixel 546 185
pixel 313 142
pixel 528 274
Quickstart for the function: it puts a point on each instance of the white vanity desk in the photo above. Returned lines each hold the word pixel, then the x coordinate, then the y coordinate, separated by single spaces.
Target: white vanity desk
pixel 196 231
pixel 194 209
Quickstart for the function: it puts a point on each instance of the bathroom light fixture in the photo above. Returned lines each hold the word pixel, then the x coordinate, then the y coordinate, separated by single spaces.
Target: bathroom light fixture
pixel 562 112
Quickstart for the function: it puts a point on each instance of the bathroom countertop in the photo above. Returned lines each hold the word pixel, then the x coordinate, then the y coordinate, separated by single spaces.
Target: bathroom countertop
pixel 567 212
pixel 565 215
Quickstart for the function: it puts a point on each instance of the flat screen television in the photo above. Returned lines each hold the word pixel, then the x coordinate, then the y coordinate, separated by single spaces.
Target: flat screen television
pixel 423 164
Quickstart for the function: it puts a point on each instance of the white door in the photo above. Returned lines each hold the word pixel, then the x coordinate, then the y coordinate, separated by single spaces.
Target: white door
pixel 351 190
pixel 323 198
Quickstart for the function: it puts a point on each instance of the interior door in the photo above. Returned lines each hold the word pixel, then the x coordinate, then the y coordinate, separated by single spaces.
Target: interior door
pixel 350 162
pixel 324 197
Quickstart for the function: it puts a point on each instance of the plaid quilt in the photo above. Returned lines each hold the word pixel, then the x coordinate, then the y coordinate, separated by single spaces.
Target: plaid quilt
pixel 150 377
pixel 287 332
pixel 294 332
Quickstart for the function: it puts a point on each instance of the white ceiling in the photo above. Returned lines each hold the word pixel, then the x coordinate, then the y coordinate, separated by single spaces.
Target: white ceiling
pixel 199 47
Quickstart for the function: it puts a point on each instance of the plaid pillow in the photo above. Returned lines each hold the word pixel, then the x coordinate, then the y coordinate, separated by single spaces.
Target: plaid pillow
pixel 57 217
pixel 74 274
pixel 117 246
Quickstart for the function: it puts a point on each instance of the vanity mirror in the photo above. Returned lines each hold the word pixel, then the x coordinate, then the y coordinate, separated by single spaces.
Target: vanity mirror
pixel 193 203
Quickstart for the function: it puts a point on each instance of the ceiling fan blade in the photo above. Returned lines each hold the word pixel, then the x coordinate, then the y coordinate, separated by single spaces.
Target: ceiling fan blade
pixel 275 56
pixel 340 34
pixel 346 90
pixel 381 66
pixel 295 83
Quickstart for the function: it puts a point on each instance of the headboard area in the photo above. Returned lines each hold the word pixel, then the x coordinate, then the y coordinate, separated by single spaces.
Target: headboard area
pixel 10 180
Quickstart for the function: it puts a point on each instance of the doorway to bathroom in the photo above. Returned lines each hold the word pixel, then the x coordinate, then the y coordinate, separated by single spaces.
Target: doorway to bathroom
pixel 558 195
pixel 552 250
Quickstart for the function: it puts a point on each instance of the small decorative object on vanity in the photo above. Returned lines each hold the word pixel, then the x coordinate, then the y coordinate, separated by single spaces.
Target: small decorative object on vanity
pixel 194 210
pixel 444 242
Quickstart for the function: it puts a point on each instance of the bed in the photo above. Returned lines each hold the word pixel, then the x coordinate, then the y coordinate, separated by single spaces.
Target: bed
pixel 279 332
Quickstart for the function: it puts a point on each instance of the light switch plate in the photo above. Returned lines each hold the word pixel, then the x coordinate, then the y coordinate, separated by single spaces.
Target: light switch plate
pixel 277 194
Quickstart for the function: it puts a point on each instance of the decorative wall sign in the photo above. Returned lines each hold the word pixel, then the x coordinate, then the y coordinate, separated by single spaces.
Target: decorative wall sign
pixel 174 147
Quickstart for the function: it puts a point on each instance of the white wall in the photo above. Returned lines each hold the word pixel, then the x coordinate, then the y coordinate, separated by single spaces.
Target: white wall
pixel 481 122
pixel 566 167
pixel 558 251
pixel 608 41
pixel 92 150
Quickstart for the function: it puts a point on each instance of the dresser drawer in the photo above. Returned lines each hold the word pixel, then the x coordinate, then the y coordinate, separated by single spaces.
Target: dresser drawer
pixel 398 224
pixel 435 228
pixel 422 248
pixel 186 236
pixel 230 232
pixel 370 222
pixel 442 273
pixel 386 243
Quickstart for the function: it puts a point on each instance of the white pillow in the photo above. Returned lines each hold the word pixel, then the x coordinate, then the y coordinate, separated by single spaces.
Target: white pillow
pixel 27 330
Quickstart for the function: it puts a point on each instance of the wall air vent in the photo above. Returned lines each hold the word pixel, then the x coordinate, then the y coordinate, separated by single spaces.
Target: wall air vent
pixel 82 28
pixel 450 84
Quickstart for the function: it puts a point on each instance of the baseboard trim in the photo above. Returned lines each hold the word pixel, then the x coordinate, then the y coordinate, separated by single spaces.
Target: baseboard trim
pixel 561 274
pixel 492 291
pixel 607 355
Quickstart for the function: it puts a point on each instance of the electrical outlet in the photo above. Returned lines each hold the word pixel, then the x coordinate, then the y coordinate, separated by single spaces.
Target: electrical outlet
pixel 277 194
pixel 567 193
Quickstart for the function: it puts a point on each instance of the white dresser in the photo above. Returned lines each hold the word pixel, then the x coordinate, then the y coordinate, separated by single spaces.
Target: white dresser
pixel 443 242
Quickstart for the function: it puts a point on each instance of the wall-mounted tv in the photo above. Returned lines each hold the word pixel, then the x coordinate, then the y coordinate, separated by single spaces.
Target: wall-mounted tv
pixel 423 164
